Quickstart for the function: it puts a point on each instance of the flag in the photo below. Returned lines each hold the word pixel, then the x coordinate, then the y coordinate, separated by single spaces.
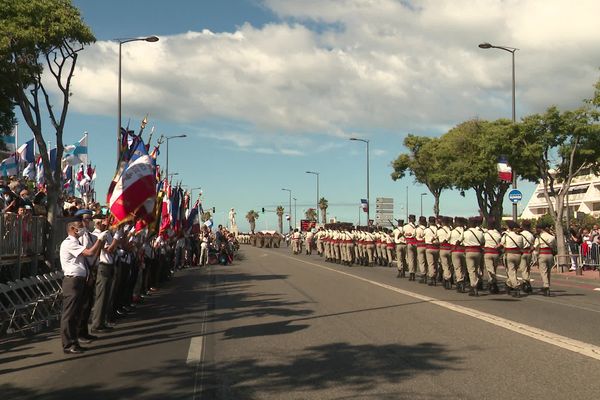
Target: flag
pixel 504 170
pixel 29 171
pixel 52 157
pixel 364 204
pixel 25 152
pixel 39 172
pixel 8 166
pixel 134 193
pixel 209 223
pixel 10 140
pixel 77 153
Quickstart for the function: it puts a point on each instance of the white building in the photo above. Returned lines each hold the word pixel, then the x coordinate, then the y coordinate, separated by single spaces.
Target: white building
pixel 584 196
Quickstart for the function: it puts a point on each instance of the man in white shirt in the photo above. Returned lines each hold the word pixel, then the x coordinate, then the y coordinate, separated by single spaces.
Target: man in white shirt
pixel 104 277
pixel 72 255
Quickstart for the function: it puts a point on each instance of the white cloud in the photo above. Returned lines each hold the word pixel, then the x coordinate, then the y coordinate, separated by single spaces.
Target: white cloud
pixel 334 67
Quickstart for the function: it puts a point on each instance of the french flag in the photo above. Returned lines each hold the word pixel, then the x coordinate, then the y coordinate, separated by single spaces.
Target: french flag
pixel 504 170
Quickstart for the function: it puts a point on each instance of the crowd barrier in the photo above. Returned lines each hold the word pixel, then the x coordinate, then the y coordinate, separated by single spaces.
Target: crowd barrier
pixel 30 304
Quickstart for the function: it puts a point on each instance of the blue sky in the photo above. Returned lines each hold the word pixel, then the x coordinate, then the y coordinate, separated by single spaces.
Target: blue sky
pixel 266 90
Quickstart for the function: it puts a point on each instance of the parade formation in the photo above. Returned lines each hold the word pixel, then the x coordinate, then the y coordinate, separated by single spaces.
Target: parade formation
pixel 459 253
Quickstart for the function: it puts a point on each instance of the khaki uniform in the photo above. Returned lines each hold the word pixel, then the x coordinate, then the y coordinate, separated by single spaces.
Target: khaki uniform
pixel 432 251
pixel 309 240
pixel 545 243
pixel 525 265
pixel 409 231
pixel 491 253
pixel 400 243
pixel 443 238
pixel 513 245
pixel 421 249
pixel 458 254
pixel 473 241
pixel 370 246
pixel 389 247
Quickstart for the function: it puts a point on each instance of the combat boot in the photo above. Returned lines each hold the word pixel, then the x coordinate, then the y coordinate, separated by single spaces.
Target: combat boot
pixel 546 291
pixel 474 291
pixel 526 287
pixel 494 288
pixel 399 274
pixel 411 276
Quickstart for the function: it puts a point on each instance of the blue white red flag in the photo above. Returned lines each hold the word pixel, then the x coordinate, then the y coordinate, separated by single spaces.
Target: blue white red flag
pixel 504 170
pixel 364 204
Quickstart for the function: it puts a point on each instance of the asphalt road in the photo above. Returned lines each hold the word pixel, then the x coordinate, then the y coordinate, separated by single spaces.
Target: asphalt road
pixel 277 326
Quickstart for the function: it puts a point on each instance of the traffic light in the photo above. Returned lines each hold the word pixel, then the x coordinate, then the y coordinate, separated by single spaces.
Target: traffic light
pixel 263 210
pixel 213 210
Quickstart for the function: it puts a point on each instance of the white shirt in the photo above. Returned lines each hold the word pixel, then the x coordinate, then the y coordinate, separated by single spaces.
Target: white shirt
pixel 87 240
pixel 105 256
pixel 71 260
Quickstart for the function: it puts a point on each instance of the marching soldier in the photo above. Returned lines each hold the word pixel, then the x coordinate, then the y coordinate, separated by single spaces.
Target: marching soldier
pixel 528 244
pixel 421 249
pixel 473 241
pixel 400 243
pixel 389 246
pixel 319 237
pixel 350 245
pixel 432 250
pixel 513 246
pixel 309 240
pixel 409 231
pixel 458 253
pixel 491 253
pixel 545 243
pixel 443 238
pixel 336 245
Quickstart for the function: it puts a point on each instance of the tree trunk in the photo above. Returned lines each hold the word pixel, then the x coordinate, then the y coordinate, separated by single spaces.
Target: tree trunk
pixel 561 245
pixel 280 223
pixel 52 194
pixel 323 215
pixel 252 226
pixel 436 204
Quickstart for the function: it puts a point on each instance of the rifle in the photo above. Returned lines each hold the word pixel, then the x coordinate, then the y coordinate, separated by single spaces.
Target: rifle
pixel 391 223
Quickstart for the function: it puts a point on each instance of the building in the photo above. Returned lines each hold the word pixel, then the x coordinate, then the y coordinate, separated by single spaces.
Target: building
pixel 584 196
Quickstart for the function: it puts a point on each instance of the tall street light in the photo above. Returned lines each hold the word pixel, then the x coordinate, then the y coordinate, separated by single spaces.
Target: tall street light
pixel 192 193
pixel 368 198
pixel 512 51
pixel 169 138
pixel 317 209
pixel 295 209
pixel 150 39
pixel 422 194
pixel 290 214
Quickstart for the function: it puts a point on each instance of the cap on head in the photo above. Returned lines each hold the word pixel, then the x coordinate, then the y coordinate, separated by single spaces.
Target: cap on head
pixel 511 224
pixel 82 212
pixel 526 224
pixel 400 222
pixel 432 220
pixel 412 218
pixel 422 220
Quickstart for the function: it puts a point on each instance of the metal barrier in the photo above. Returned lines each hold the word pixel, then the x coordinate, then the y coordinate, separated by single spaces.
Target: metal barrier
pixel 21 242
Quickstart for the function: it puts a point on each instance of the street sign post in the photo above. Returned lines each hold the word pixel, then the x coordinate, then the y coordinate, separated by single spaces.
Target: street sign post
pixel 515 196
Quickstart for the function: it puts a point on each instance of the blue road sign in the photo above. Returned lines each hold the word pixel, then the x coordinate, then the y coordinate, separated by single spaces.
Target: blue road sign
pixel 515 196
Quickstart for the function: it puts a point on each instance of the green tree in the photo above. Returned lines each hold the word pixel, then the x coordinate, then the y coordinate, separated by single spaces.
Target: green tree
pixel 311 214
pixel 252 216
pixel 562 145
pixel 323 205
pixel 7 106
pixel 42 38
pixel 424 163
pixel 280 211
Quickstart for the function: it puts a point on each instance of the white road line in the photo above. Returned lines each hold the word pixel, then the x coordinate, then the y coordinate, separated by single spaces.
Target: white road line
pixel 597 289
pixel 195 351
pixel 586 349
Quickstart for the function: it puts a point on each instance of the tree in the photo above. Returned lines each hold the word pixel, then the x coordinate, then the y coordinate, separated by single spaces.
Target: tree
pixel 470 153
pixel 424 163
pixel 252 216
pixel 7 105
pixel 562 145
pixel 311 214
pixel 205 216
pixel 323 205
pixel 280 211
pixel 38 36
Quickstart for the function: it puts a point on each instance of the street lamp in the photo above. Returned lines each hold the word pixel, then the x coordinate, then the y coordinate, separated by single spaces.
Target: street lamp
pixel 368 198
pixel 150 39
pixel 192 192
pixel 295 226
pixel 169 138
pixel 290 214
pixel 422 194
pixel 317 209
pixel 512 51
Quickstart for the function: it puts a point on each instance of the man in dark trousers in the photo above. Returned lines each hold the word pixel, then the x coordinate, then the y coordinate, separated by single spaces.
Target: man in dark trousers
pixel 72 254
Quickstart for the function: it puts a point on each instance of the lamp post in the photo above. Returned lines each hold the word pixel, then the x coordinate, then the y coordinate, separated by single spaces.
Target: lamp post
pixel 290 214
pixel 512 51
pixel 295 226
pixel 317 209
pixel 192 192
pixel 169 138
pixel 150 39
pixel 422 194
pixel 368 198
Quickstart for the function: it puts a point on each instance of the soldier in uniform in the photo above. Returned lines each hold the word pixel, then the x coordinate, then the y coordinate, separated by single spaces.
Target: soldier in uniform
pixel 513 246
pixel 528 244
pixel 309 241
pixel 319 240
pixel 421 249
pixel 409 231
pixel 545 243
pixel 491 253
pixel 473 242
pixel 432 250
pixel 400 243
pixel 350 245
pixel 390 247
pixel 296 238
pixel 458 253
pixel 443 238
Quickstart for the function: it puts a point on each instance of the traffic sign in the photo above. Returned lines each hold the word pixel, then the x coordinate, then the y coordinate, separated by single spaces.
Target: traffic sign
pixel 515 196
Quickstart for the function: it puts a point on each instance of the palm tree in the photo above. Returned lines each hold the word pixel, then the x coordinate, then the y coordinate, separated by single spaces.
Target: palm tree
pixel 280 210
pixel 323 204
pixel 252 216
pixel 311 214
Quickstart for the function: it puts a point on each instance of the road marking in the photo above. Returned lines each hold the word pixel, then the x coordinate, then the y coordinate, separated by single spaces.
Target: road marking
pixel 195 351
pixel 597 289
pixel 576 346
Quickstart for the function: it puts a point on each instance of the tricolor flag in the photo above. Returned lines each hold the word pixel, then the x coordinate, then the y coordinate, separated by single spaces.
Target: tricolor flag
pixel 29 171
pixel 25 152
pixel 134 193
pixel 364 204
pixel 504 170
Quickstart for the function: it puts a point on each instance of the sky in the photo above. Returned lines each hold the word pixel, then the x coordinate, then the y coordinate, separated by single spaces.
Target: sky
pixel 266 90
